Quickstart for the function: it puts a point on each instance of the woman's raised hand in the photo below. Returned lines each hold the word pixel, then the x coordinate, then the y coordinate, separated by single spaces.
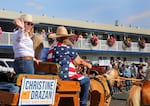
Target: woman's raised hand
pixel 19 23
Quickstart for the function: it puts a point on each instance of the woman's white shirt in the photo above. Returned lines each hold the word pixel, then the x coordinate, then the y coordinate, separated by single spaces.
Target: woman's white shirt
pixel 22 44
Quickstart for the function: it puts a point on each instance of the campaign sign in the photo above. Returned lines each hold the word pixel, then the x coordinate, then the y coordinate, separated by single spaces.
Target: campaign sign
pixel 37 91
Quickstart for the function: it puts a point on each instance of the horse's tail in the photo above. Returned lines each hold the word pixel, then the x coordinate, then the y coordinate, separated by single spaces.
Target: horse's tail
pixel 134 96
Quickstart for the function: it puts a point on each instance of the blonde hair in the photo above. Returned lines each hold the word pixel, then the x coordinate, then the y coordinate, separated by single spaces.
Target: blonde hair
pixel 65 41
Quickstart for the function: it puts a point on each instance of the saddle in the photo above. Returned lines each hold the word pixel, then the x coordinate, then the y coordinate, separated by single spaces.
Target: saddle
pixel 145 93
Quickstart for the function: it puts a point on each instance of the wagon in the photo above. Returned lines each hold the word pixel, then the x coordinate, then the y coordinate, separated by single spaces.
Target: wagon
pixel 65 90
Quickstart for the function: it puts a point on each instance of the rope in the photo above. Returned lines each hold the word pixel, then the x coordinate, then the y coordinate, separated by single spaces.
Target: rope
pixel 132 79
pixel 123 79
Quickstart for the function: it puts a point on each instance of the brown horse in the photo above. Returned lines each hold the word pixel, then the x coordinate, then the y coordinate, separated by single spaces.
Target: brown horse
pixel 101 88
pixel 139 95
pixel 134 96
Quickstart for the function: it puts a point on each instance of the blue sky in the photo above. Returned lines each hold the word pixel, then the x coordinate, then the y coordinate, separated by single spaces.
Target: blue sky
pixel 128 12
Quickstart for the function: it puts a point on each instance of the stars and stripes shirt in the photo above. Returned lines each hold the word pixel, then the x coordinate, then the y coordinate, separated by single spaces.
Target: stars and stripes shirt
pixel 64 55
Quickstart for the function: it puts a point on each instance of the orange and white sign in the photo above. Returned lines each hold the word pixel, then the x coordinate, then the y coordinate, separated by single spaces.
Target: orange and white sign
pixel 37 91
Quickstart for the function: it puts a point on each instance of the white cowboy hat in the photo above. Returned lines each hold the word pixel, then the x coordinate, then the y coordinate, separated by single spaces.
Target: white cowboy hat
pixel 61 32
pixel 27 18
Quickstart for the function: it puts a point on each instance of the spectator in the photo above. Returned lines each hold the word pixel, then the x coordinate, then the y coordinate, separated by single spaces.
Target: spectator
pixel 73 39
pixel 134 71
pixel 127 74
pixel 44 52
pixel 141 74
pixel 148 71
pixel 80 36
pixel 115 87
pixel 43 34
pixel 1 31
pixel 63 54
pixel 118 65
pixel 50 40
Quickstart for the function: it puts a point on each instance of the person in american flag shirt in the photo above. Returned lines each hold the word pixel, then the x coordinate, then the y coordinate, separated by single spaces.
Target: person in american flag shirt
pixel 62 52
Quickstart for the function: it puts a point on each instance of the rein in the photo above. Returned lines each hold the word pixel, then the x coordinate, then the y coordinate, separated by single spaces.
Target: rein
pixel 123 79
pixel 110 88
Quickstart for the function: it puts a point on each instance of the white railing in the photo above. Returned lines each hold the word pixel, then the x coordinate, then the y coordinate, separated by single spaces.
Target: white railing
pixel 118 46
pixel 84 44
pixel 6 39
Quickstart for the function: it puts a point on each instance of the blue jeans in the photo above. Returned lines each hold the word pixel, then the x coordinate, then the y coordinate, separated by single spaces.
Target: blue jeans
pixel 115 88
pixel 85 84
pixel 24 66
pixel 128 84
pixel 10 87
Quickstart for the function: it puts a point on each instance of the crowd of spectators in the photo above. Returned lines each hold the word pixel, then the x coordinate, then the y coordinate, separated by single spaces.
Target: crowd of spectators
pixel 137 71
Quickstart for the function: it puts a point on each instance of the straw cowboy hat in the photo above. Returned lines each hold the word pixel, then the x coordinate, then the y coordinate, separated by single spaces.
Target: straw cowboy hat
pixel 61 32
pixel 27 18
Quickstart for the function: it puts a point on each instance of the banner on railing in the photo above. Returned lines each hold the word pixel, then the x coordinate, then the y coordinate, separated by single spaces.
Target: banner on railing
pixel 104 62
pixel 37 91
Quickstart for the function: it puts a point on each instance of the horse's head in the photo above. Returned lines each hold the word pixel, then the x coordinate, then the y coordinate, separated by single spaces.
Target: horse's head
pixel 113 75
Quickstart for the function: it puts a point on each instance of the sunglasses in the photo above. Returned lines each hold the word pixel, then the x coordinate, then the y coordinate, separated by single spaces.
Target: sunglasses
pixel 29 23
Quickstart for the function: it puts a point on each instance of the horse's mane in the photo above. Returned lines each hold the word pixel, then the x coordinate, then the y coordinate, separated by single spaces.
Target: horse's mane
pixel 113 74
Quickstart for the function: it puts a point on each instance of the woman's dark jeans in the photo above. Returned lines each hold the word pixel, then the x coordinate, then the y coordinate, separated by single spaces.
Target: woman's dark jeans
pixel 24 66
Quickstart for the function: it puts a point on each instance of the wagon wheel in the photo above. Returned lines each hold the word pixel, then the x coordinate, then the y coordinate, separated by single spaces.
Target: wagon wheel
pixel 93 99
pixel 90 73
